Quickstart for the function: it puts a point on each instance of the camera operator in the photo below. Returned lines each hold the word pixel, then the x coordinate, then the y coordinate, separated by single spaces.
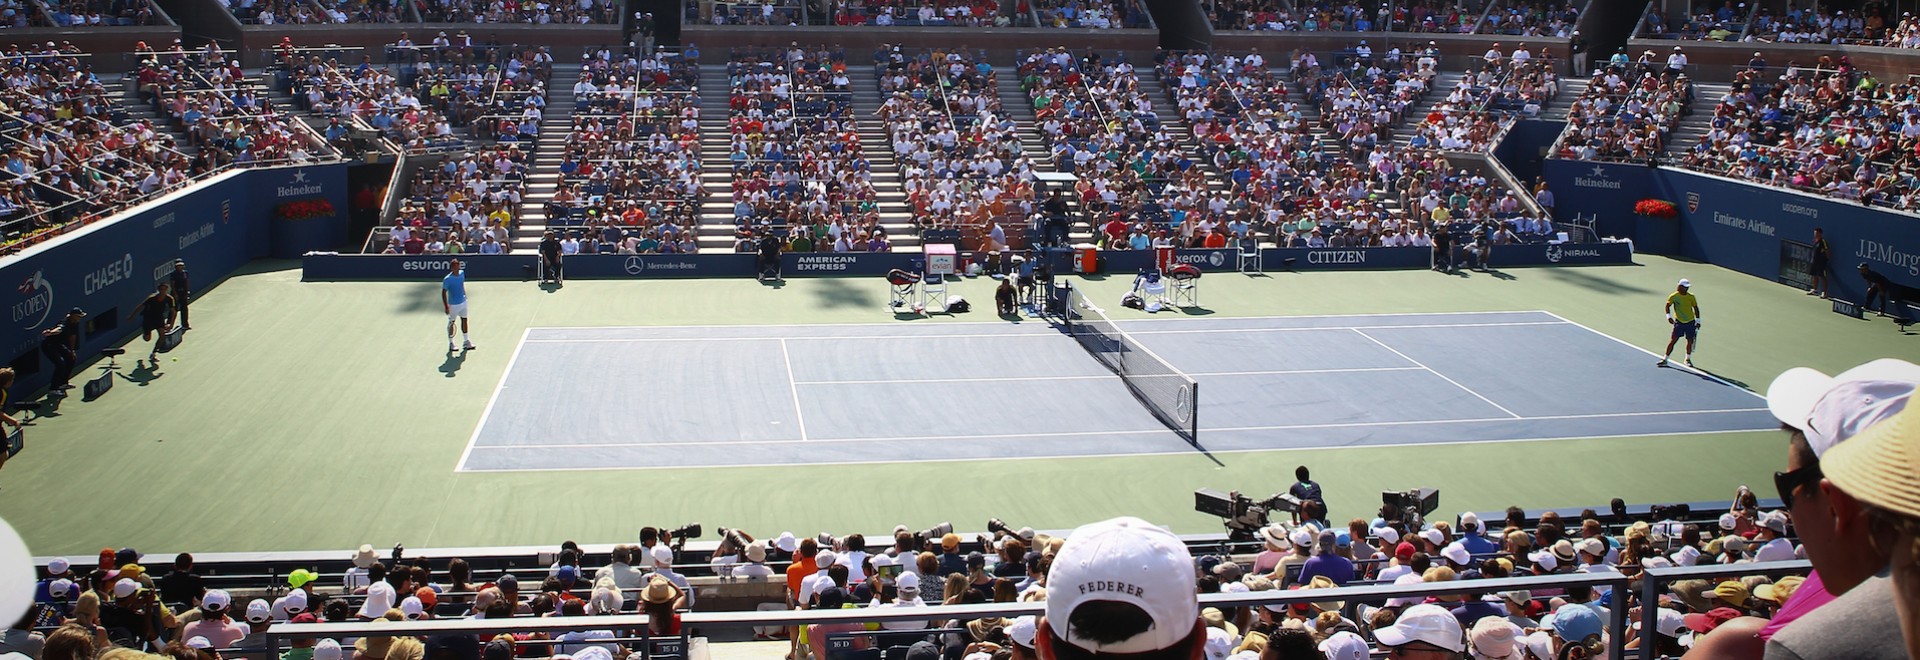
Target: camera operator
pixel 1306 490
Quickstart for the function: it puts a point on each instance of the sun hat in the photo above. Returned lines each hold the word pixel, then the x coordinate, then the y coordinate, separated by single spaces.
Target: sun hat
pixel 1276 536
pixel 364 557
pixel 659 590
pixel 1431 624
pixel 1126 560
pixel 1829 409
pixel 1881 466
pixel 199 642
pixel 785 542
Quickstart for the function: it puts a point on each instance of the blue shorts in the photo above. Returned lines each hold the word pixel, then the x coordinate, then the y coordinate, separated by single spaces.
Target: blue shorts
pixel 1690 330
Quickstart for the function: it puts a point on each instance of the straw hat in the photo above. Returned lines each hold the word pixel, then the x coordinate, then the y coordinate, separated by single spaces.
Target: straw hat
pixel 1881 466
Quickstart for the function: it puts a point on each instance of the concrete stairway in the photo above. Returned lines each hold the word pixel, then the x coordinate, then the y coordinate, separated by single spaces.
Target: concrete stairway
pixel 1571 87
pixel 896 216
pixel 715 230
pixel 1696 125
pixel 549 149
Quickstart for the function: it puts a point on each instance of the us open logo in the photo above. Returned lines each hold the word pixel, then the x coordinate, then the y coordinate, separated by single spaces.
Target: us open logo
pixel 1693 202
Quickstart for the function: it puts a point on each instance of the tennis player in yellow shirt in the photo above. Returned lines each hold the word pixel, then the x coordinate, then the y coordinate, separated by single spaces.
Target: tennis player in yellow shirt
pixel 1683 313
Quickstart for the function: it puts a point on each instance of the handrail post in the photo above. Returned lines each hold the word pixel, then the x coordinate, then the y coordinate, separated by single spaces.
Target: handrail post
pixel 1649 612
pixel 1618 622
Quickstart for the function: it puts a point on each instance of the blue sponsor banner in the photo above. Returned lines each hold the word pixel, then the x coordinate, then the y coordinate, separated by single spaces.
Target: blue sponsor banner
pixel 1562 254
pixel 328 267
pixel 108 268
pixel 1741 226
pixel 650 266
pixel 1604 193
pixel 1280 259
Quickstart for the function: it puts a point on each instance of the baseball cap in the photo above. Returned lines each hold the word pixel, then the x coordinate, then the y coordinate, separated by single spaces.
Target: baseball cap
pixel 1470 519
pixel 1434 536
pixel 58 565
pixel 1301 537
pixel 1830 409
pixel 198 642
pixel 1388 534
pixel 327 649
pixel 950 542
pixel 1022 630
pixel 1345 645
pixel 215 600
pixel 300 577
pixel 1774 520
pixel 1425 623
pixel 259 611
pixel 825 559
pixel 1702 623
pixel 1595 547
pixel 1126 560
pixel 59 588
pixel 295 602
pixel 1685 282
pixel 427 597
pixel 907 582
pixel 125 588
pixel 1667 621
pixel 498 649
pixel 663 555
pixel 1879 466
pixel 1457 554
pixel 412 607
pixel 1520 597
pixel 1493 637
pixel 1219 644
pixel 1573 622
pixel 1732 591
pixel 1778 592
pixel 568 573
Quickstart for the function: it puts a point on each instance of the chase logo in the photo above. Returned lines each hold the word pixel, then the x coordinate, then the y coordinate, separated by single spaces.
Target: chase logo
pixel 31 311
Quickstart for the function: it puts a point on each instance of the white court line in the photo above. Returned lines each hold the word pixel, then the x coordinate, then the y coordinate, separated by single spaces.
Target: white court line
pixel 1072 434
pixel 794 386
pixel 615 340
pixel 472 439
pixel 1345 327
pixel 1442 376
pixel 1104 376
pixel 897 324
pixel 1636 347
pixel 1184 450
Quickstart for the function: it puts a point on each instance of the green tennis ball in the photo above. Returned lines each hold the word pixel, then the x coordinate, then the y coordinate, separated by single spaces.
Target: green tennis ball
pixel 176 359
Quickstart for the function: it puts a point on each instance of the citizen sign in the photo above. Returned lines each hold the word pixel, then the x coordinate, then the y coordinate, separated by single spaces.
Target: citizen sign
pixel 820 262
pixel 1337 257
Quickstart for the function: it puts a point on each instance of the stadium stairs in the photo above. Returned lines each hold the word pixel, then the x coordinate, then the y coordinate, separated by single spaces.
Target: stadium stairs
pixel 550 148
pixel 139 110
pixel 715 232
pixel 896 215
pixel 1014 102
pixel 1694 126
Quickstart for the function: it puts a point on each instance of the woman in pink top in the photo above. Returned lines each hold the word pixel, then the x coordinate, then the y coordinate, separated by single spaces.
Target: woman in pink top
pixel 214 624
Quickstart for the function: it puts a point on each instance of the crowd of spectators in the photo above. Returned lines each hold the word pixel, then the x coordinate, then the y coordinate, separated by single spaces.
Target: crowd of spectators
pixel 1089 13
pixel 1705 23
pixel 798 162
pixel 1361 97
pixel 1626 113
pixel 535 12
pixel 1507 86
pixel 1532 18
pixel 957 150
pixel 969 13
pixel 748 13
pixel 1873 25
pixel 1348 16
pixel 1838 132
pixel 465 203
pixel 500 98
pixel 630 175
pixel 93 13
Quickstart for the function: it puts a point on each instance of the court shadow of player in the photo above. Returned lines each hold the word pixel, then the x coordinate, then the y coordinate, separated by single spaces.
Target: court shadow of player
pixel 840 292
pixel 1196 311
pixel 773 284
pixel 549 287
pixel 1718 379
pixel 143 372
pixel 1500 275
pixel 454 361
pixel 421 297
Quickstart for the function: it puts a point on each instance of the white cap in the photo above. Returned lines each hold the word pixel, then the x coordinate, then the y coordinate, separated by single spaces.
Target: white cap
pixel 259 611
pixel 1345 645
pixel 125 588
pixel 1830 409
pixel 215 600
pixel 1425 623
pixel 1434 536
pixel 1125 560
pixel 1684 282
pixel 785 542
pixel 60 588
pixel 198 642
pixel 1595 547
pixel 1456 553
pixel 1219 643
pixel 882 560
pixel 1544 559
pixel 58 565
pixel 380 598
pixel 662 555
pixel 296 601
pixel 1301 537
pixel 327 649
pixel 412 607
pixel 825 559
pixel 1470 519
pixel 593 653
pixel 1387 534
pixel 1728 521
pixel 1022 630
pixel 1667 622
pixel 907 582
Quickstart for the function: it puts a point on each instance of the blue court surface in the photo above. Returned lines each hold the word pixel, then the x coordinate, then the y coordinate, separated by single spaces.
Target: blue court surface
pixel 665 397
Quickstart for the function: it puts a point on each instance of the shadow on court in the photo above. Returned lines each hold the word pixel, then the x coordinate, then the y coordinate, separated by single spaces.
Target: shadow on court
pixel 840 292
pixel 1591 282
pixel 421 297
pixel 1195 311
pixel 549 287
pixel 144 372
pixel 455 360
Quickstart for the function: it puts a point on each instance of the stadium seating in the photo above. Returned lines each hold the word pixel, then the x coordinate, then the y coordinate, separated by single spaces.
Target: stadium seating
pixel 1626 113
pixel 959 154
pixel 1835 132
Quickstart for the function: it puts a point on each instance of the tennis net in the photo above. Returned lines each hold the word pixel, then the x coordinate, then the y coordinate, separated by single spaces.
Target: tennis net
pixel 1171 395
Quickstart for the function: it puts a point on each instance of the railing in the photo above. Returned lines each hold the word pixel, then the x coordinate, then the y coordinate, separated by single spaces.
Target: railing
pixel 1620 586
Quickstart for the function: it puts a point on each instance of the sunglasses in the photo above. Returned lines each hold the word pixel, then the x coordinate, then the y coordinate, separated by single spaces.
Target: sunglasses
pixel 1787 483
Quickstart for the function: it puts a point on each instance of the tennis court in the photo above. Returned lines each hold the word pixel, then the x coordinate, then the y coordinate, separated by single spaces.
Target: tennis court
pixel 654 397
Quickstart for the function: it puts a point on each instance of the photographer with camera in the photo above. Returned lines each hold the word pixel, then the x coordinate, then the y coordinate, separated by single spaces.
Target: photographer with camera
pixel 1306 490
